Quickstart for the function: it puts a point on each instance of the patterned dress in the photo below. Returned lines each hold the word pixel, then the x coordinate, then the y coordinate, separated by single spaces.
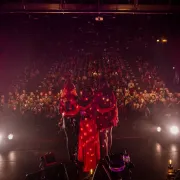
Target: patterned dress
pixel 88 146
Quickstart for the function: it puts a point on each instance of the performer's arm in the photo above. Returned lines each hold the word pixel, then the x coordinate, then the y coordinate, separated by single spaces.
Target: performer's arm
pixel 61 111
pixel 116 116
pixel 105 110
pixel 61 108
pixel 116 109
pixel 86 107
pixel 72 113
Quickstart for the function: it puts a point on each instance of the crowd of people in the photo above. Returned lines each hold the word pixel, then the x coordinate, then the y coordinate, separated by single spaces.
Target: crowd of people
pixel 26 79
pixel 136 93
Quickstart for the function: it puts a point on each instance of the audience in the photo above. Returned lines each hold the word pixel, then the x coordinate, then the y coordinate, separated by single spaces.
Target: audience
pixel 91 50
pixel 87 70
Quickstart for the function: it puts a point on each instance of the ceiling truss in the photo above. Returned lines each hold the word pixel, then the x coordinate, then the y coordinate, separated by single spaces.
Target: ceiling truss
pixel 98 8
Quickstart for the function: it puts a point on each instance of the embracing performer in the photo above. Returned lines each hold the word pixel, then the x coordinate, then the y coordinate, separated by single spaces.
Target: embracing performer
pixel 69 111
pixel 106 116
pixel 88 147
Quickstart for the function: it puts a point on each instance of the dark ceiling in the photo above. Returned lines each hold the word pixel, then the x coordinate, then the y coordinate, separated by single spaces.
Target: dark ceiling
pixel 90 6
pixel 175 2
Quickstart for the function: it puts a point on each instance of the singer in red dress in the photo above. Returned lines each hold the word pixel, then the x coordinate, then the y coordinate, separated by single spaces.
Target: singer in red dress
pixel 69 110
pixel 88 146
pixel 106 116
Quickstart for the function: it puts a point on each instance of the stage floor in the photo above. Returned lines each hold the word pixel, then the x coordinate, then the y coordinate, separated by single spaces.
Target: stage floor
pixel 149 156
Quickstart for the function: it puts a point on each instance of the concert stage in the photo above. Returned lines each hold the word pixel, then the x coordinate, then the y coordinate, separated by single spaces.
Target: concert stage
pixel 150 157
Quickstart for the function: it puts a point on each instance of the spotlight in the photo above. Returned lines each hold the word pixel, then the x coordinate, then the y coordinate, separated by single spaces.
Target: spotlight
pixel 174 130
pixel 10 136
pixel 158 129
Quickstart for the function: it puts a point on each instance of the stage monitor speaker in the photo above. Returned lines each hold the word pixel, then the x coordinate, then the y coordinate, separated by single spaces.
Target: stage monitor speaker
pixel 56 172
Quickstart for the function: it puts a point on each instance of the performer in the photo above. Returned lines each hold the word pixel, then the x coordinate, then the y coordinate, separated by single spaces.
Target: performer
pixel 69 110
pixel 107 116
pixel 88 147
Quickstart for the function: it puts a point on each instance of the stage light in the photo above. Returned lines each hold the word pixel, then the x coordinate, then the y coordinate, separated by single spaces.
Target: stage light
pixel 170 171
pixel 158 129
pixel 174 130
pixel 164 40
pixel 157 40
pixel 98 18
pixel 91 171
pixel 1 137
pixel 10 136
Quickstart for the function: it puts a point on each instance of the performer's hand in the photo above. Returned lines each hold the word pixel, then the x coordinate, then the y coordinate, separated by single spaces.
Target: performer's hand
pixel 60 124
pixel 117 121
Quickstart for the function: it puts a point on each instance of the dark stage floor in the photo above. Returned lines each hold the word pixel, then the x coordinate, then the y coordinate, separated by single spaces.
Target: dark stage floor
pixel 149 156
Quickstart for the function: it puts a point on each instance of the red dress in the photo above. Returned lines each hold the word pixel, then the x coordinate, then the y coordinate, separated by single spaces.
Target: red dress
pixel 106 117
pixel 88 146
